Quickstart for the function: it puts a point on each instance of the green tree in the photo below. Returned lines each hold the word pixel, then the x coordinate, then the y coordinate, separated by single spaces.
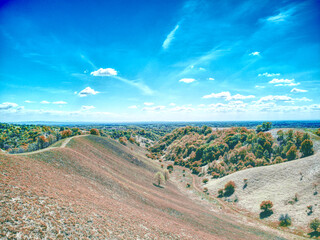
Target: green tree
pixel 292 153
pixel 307 148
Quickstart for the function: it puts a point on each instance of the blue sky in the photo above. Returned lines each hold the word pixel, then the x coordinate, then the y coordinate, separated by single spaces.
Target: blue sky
pixel 115 61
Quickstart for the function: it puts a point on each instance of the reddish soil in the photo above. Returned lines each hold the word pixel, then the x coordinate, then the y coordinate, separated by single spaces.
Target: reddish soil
pixel 96 188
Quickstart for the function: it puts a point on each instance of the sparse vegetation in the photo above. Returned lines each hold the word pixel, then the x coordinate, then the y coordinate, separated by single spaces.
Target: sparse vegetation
pixel 159 178
pixel 166 175
pixel 205 180
pixel 94 131
pixel 285 220
pixel 315 224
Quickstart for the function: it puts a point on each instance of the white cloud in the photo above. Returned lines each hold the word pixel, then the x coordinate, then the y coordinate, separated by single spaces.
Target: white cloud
pixel 60 102
pixel 87 91
pixel 133 107
pixel 44 102
pixel 227 96
pixel 255 54
pixel 211 79
pixel 170 37
pixel 304 99
pixel 155 108
pixel 283 82
pixel 148 103
pixel 172 104
pixel 275 98
pixel 202 69
pixel 282 16
pixel 28 101
pixel 266 74
pixel 104 72
pixel 85 108
pixel 258 86
pixel 187 80
pixel 182 109
pixel 296 90
pixel 7 105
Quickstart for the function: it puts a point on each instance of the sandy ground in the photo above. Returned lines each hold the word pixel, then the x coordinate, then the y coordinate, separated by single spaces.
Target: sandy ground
pixel 279 183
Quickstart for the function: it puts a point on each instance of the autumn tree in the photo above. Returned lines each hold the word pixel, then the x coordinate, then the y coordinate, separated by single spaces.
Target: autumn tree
pixel 94 131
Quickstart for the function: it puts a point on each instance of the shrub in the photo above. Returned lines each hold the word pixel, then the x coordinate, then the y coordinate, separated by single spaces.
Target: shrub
pixel 166 175
pixel 285 220
pixel 188 185
pixel 205 190
pixel 94 131
pixel 158 178
pixel 314 224
pixel 132 140
pixel 205 180
pixel 266 205
pixel 220 192
pixel 229 188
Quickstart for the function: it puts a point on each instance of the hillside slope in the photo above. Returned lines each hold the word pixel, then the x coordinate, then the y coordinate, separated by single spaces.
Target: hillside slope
pixel 97 188
pixel 279 183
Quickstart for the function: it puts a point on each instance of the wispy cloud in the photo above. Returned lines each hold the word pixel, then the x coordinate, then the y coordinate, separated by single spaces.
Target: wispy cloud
pixel 258 86
pixel 296 90
pixel 282 16
pixel 44 102
pixel 60 102
pixel 133 107
pixel 187 80
pixel 87 91
pixel 140 85
pixel 283 82
pixel 148 103
pixel 170 37
pixel 211 79
pixel 227 96
pixel 28 101
pixel 266 74
pixel 275 98
pixel 155 108
pixel 7 105
pixel 85 108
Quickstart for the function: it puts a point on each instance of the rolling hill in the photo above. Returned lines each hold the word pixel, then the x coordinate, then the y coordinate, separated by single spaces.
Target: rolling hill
pixel 94 187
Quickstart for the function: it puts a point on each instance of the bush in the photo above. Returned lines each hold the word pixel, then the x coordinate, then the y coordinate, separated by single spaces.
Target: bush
pixel 205 180
pixel 94 131
pixel 166 175
pixel 285 220
pixel 229 188
pixel 159 178
pixel 220 192
pixel 314 224
pixel 170 168
pixel 266 205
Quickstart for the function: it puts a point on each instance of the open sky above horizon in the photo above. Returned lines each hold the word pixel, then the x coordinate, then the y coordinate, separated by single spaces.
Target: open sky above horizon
pixel 123 61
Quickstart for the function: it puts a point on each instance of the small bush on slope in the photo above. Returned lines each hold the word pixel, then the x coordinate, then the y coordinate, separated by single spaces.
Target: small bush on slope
pixel 159 178
pixel 285 220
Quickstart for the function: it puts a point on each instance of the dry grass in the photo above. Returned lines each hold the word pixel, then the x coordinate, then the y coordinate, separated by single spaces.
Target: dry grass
pixel 97 188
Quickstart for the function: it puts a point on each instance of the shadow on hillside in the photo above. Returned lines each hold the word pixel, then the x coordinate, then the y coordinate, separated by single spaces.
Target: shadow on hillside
pixel 159 186
pixel 266 214
pixel 314 234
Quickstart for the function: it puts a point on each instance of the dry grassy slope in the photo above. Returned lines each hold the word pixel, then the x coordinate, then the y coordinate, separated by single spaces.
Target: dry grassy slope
pixel 278 183
pixel 95 187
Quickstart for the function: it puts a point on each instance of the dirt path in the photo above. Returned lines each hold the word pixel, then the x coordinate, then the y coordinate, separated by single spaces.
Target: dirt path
pixel 230 210
pixel 63 145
